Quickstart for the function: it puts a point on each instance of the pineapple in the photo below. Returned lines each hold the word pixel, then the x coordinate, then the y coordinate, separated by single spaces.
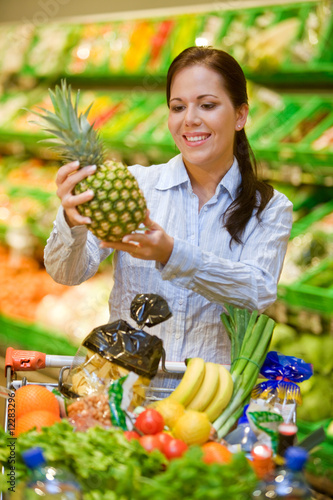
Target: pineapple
pixel 118 206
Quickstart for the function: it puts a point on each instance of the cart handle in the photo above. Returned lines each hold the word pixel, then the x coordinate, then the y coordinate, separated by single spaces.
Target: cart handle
pixel 19 360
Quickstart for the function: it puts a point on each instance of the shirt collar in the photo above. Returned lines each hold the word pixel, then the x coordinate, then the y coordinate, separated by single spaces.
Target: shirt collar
pixel 174 173
pixel 231 180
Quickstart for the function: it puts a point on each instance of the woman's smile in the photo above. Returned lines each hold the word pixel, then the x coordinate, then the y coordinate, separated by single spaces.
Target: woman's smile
pixel 196 139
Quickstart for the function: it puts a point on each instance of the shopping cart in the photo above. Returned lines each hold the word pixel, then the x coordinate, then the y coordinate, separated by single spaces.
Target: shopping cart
pixel 25 361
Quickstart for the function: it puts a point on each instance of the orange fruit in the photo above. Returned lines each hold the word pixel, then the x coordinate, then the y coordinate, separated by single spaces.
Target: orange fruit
pixel 216 453
pixel 34 397
pixel 38 419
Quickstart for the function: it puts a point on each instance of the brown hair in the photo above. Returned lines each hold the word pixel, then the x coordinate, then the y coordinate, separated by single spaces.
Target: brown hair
pixel 240 211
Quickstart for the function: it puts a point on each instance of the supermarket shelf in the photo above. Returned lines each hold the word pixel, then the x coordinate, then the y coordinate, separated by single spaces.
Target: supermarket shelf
pixel 96 13
pixel 273 46
pixel 320 76
pixel 294 138
pixel 306 297
pixel 313 291
pixel 293 174
pixel 305 222
pixel 24 335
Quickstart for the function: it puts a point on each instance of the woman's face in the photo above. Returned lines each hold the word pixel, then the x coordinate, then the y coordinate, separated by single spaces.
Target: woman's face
pixel 202 119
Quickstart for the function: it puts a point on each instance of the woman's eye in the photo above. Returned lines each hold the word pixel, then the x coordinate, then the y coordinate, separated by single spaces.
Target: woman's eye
pixel 208 105
pixel 176 109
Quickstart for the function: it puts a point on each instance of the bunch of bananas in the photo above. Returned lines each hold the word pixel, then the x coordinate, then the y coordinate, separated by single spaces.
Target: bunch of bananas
pixel 205 387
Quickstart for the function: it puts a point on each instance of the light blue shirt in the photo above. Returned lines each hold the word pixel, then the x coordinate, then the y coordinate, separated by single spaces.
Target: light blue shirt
pixel 202 273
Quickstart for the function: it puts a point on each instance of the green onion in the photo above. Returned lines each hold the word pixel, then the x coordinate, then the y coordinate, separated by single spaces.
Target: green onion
pixel 250 336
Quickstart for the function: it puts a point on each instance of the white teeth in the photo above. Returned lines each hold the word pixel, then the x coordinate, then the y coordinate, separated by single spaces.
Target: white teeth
pixel 195 139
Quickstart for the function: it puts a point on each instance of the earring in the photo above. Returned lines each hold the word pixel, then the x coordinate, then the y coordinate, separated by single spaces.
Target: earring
pixel 238 126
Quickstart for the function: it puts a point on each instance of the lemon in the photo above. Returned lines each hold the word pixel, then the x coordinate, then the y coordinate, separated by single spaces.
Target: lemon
pixel 193 427
pixel 171 410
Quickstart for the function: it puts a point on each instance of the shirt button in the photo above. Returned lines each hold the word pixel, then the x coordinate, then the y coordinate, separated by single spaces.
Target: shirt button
pixel 180 301
pixel 192 236
pixel 177 336
pixel 205 209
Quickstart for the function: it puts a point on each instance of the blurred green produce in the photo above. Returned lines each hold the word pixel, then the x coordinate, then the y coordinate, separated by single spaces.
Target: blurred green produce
pixel 317 392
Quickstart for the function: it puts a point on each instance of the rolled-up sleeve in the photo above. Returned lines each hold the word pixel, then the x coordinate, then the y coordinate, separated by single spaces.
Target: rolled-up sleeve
pixel 72 255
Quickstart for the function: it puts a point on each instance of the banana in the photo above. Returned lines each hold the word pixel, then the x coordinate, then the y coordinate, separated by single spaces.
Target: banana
pixel 207 389
pixel 222 395
pixel 191 381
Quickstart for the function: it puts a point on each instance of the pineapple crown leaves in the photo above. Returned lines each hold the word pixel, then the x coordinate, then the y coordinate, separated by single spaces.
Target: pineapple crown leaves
pixel 74 135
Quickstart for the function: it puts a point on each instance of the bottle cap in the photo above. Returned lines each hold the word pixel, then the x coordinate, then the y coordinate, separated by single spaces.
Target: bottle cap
pixel 261 452
pixel 243 419
pixel 33 457
pixel 295 458
pixel 287 429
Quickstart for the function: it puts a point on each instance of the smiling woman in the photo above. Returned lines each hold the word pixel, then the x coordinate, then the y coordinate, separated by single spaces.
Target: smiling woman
pixel 214 234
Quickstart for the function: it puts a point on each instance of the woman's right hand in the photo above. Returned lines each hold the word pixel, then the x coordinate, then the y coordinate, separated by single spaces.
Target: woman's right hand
pixel 67 177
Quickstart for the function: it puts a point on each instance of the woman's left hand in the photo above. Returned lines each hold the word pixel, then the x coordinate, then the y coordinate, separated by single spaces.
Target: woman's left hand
pixel 153 244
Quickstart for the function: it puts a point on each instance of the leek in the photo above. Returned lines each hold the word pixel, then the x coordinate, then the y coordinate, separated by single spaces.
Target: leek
pixel 250 335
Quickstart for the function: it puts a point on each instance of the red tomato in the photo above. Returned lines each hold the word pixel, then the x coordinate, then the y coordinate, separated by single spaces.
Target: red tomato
pixel 164 438
pixel 150 422
pixel 131 435
pixel 150 443
pixel 174 448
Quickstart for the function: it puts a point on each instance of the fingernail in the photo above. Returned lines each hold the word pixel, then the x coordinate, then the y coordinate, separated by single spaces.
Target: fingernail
pixel 92 168
pixel 90 192
pixel 76 163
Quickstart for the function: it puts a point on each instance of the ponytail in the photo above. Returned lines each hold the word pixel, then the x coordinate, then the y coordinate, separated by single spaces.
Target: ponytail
pixel 240 211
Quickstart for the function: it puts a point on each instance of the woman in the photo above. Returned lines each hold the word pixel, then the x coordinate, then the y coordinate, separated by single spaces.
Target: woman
pixel 216 234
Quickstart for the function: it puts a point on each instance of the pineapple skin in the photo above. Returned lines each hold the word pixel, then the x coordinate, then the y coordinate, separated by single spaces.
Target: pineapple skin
pixel 118 206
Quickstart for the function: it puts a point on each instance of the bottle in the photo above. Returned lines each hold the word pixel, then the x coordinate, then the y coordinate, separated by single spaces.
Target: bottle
pixel 286 438
pixel 262 460
pixel 243 437
pixel 46 481
pixel 288 482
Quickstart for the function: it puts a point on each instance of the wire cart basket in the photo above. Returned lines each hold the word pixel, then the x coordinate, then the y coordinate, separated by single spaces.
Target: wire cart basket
pixel 25 361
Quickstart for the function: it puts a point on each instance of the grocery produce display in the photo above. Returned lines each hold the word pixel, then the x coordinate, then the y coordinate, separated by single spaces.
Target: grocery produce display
pixel 317 402
pixel 280 43
pixel 284 128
